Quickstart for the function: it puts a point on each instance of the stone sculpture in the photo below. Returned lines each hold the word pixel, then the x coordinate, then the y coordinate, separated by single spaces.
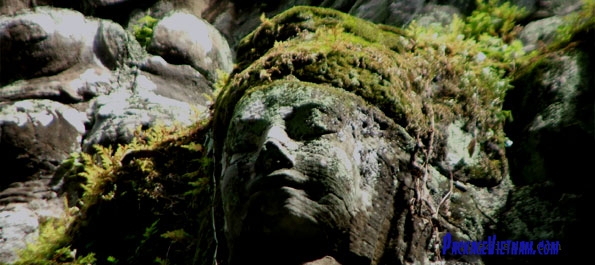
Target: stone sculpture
pixel 324 149
pixel 308 169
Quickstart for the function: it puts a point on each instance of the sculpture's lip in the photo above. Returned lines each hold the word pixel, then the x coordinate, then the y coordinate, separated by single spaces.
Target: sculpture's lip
pixel 277 179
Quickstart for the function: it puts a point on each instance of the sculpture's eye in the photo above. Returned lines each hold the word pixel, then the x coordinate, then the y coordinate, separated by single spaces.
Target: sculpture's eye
pixel 310 121
pixel 244 135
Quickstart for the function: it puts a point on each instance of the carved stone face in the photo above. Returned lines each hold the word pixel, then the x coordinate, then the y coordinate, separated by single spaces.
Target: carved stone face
pixel 291 170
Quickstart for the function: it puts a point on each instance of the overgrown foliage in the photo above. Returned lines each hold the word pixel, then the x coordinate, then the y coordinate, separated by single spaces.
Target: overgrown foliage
pixel 139 203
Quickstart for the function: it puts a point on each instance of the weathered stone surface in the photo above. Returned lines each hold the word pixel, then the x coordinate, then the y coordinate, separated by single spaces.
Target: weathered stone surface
pixel 552 106
pixel 35 136
pixel 539 33
pixel 23 207
pixel 179 82
pixel 77 84
pixel 256 139
pixel 441 14
pixel 390 12
pixel 116 116
pixel 334 168
pixel 182 38
pixel 49 58
pixel 113 45
pixel 42 43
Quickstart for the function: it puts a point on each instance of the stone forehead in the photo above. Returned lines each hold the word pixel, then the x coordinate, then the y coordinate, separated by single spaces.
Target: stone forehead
pixel 284 94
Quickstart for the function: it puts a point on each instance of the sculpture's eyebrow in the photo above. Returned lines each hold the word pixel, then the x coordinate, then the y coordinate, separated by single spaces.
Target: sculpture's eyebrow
pixel 307 106
pixel 251 123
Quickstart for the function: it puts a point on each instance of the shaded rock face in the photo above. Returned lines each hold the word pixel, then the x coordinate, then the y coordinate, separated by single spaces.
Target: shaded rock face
pixel 552 105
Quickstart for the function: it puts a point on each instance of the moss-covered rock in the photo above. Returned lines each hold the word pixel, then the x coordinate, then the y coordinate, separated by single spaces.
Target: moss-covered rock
pixel 423 82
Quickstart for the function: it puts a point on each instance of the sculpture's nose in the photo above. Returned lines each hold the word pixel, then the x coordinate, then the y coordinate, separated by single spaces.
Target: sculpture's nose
pixel 274 153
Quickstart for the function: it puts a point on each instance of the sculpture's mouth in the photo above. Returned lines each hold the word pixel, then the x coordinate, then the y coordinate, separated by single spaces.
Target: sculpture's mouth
pixel 278 179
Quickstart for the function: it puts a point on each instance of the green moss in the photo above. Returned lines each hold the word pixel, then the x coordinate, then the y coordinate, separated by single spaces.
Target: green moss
pixel 491 18
pixel 303 20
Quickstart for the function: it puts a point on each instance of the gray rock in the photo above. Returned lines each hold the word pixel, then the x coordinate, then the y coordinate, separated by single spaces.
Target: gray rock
pixel 101 3
pixel 440 14
pixel 179 82
pixel 48 57
pixel 42 43
pixel 391 12
pixel 182 38
pixel 77 84
pixel 548 8
pixel 117 115
pixel 553 110
pixel 35 136
pixel 539 32
pixel 24 206
pixel 114 46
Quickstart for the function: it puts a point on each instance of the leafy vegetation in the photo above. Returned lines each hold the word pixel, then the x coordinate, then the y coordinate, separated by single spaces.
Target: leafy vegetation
pixel 143 30
pixel 134 205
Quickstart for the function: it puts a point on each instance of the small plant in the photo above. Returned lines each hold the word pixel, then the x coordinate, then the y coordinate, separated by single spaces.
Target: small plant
pixel 143 30
pixel 495 20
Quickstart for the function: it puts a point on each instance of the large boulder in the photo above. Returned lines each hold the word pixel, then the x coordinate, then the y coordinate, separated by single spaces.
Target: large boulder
pixel 182 38
pixel 35 136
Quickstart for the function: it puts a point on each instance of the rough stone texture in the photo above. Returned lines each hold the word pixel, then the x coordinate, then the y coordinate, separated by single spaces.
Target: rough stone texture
pixel 441 14
pixel 65 77
pixel 182 38
pixel 346 163
pixel 35 136
pixel 116 116
pixel 553 109
pixel 548 8
pixel 179 82
pixel 58 61
pixel 41 44
pixel 23 206
pixel 112 45
pixel 539 33
pixel 547 132
pixel 390 12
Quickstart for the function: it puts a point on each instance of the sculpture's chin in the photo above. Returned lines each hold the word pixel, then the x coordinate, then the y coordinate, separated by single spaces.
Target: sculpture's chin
pixel 284 211
pixel 281 225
